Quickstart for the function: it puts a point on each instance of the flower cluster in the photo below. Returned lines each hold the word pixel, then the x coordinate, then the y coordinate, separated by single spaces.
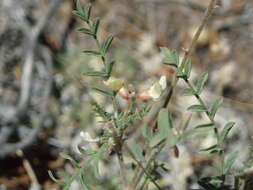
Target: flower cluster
pixel 154 92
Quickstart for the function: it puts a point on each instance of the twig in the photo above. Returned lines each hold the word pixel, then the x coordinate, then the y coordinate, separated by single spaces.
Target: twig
pixel 13 147
pixel 29 169
pixel 152 157
pixel 122 171
pixel 143 169
pixel 26 79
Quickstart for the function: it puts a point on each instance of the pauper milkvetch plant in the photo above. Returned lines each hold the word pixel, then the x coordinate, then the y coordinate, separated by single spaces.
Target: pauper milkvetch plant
pixel 115 137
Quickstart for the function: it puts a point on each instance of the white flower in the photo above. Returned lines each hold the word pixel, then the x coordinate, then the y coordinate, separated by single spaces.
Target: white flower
pixel 157 88
pixel 163 82
pixel 86 137
pixel 85 141
pixel 114 83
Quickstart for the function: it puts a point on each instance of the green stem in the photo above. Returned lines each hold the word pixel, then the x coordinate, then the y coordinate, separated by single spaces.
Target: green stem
pixel 216 131
pixel 143 169
pixel 97 43
pixel 188 53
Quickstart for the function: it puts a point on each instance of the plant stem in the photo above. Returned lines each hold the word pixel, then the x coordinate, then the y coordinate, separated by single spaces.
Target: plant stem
pixel 216 131
pixel 188 53
pixel 205 19
pixel 122 170
pixel 97 43
pixel 141 166
pixel 150 160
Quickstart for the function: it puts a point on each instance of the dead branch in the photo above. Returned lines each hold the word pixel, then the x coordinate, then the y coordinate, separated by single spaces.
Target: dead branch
pixel 8 148
pixel 11 116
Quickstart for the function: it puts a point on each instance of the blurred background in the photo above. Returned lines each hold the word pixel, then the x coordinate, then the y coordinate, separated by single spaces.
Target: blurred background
pixel 44 97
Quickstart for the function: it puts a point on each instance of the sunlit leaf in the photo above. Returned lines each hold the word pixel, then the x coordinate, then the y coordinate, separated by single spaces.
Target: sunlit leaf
pixel 229 161
pixel 83 182
pixel 96 74
pixel 215 107
pixel 95 25
pixel 104 92
pixel 210 150
pixel 95 164
pixel 164 130
pixel 68 157
pixel 85 151
pixel 188 92
pixel 88 11
pixel 170 57
pixel 85 31
pixel 201 82
pixel 224 133
pixel 180 74
pixel 197 108
pixel 206 126
pixel 136 149
pixel 187 68
pixel 109 67
pixel 107 44
pixel 92 52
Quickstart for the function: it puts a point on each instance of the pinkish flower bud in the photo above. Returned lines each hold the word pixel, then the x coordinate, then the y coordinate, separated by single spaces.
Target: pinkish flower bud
pixel 123 92
pixel 144 95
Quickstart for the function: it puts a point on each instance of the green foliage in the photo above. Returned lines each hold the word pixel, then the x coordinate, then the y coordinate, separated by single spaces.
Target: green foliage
pixel 124 120
pixel 188 92
pixel 215 107
pixel 206 126
pixel 92 52
pixel 86 152
pixel 68 157
pixel 104 92
pixel 97 74
pixel 83 12
pixel 109 66
pixel 118 123
pixel 170 57
pixel 106 45
pixel 136 149
pixel 187 68
pixel 201 82
pixel 229 162
pixel 210 150
pixel 100 112
pixel 224 133
pixel 197 108
pixel 164 130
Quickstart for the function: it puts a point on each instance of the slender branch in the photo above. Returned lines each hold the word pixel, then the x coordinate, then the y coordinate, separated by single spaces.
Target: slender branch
pixel 122 170
pixel 29 169
pixel 150 160
pixel 141 166
pixel 216 132
pixel 188 53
